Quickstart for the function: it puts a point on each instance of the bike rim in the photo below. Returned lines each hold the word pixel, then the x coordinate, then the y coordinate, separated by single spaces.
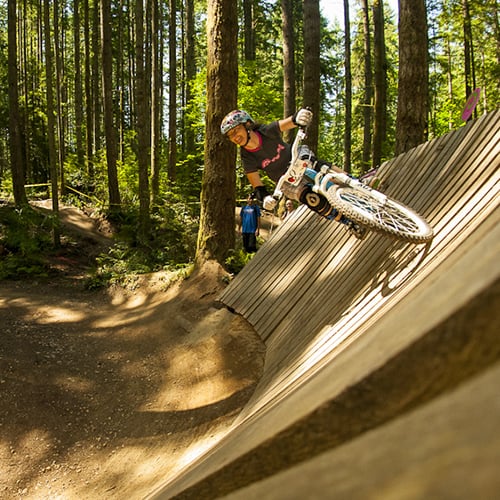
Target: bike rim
pixel 388 215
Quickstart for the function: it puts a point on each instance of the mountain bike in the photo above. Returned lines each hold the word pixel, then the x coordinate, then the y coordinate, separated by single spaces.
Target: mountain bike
pixel 337 196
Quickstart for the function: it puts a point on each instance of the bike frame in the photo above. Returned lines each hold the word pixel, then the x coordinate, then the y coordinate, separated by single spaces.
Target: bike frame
pixel 321 181
pixel 356 202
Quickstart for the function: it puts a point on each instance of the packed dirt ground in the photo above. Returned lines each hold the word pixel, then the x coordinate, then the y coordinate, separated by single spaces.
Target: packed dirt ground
pixel 107 394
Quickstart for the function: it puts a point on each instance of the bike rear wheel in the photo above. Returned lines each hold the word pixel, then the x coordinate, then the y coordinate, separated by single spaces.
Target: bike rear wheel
pixel 387 215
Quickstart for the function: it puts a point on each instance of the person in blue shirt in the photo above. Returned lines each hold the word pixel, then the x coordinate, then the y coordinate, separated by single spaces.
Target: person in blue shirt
pixel 249 226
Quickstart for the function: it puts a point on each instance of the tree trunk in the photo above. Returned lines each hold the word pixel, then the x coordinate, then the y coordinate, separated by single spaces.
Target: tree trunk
pixel 312 67
pixel 190 69
pixel 172 89
pixel 96 78
pixel 109 122
pixel 61 95
pixel 380 71
pixel 79 129
pixel 51 123
pixel 27 88
pixel 142 124
pixel 89 138
pixel 288 63
pixel 450 82
pixel 249 29
pixel 16 156
pixel 348 89
pixel 218 198
pixel 469 67
pixel 413 99
pixel 156 78
pixel 367 103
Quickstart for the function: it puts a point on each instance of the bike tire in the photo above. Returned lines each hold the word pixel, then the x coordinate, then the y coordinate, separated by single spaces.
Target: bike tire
pixel 390 217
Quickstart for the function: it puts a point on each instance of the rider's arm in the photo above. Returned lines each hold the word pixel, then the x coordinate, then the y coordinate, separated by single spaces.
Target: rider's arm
pixel 254 179
pixel 260 190
pixel 286 124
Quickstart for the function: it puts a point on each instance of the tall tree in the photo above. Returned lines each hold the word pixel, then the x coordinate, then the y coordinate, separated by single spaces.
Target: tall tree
pixel 496 32
pixel 312 67
pixel 109 123
pixel 26 89
pixel 88 89
pixel 367 101
pixel 51 119
pixel 249 29
pixel 172 92
pixel 142 122
pixel 218 198
pixel 380 73
pixel 16 156
pixel 96 95
pixel 413 101
pixel 79 127
pixel 348 89
pixel 190 74
pixel 60 92
pixel 288 62
pixel 156 78
pixel 470 70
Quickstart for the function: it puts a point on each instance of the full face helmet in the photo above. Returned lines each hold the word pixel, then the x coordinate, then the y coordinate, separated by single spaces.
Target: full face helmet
pixel 233 119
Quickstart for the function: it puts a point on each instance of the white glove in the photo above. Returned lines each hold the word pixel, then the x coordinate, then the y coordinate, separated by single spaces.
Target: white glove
pixel 302 117
pixel 269 203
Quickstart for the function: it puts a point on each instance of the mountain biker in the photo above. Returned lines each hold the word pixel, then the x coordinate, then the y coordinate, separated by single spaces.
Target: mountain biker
pixel 262 148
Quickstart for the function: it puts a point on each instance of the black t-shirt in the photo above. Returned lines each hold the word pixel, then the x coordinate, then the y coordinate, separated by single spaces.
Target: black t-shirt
pixel 273 155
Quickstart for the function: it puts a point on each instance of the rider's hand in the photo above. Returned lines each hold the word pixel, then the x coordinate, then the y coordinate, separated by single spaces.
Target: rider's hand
pixel 269 203
pixel 260 193
pixel 302 117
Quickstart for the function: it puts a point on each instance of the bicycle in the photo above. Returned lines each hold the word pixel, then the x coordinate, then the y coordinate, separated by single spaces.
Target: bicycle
pixel 347 200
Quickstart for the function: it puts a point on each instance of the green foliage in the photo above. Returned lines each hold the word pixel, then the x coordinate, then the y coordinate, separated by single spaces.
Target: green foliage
pixel 237 260
pixel 171 245
pixel 447 61
pixel 123 264
pixel 260 87
pixel 82 186
pixel 25 238
pixel 259 94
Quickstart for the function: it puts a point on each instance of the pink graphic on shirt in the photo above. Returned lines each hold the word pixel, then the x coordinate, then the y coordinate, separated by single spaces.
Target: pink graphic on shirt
pixel 268 161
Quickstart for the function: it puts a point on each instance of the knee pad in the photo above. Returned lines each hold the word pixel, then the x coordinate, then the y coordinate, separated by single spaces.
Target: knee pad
pixel 316 202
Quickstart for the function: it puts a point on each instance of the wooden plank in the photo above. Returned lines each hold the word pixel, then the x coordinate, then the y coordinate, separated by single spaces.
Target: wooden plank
pixel 266 418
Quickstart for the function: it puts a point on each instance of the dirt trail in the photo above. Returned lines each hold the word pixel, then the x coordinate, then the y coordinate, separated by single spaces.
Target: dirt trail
pixel 104 394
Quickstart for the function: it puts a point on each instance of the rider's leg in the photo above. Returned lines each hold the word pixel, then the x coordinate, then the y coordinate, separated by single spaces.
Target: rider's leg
pixel 319 204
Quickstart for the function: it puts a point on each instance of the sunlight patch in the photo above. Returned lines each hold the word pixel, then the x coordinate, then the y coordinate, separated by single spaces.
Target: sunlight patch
pixel 61 314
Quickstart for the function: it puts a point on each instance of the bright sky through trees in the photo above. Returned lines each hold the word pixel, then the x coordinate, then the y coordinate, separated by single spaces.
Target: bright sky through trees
pixel 334 9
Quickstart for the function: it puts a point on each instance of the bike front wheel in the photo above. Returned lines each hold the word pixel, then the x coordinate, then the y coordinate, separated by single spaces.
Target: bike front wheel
pixel 380 213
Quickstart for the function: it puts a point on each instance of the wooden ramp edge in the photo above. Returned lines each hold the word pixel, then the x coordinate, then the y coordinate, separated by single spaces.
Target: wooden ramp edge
pixel 359 333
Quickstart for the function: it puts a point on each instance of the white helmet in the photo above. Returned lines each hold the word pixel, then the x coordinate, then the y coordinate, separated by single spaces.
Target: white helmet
pixel 233 119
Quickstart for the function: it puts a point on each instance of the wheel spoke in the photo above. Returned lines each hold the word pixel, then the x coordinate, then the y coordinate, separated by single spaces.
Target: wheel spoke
pixel 384 214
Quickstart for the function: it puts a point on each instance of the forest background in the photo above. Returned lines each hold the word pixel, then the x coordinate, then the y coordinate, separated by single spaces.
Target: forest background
pixel 116 105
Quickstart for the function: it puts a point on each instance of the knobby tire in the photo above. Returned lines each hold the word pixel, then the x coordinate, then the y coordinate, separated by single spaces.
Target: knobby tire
pixel 392 217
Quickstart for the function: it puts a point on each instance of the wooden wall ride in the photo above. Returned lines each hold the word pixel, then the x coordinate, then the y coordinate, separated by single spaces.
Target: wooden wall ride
pixel 334 312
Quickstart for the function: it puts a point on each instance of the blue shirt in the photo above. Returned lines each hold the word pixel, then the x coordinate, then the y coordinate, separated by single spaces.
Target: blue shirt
pixel 249 218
